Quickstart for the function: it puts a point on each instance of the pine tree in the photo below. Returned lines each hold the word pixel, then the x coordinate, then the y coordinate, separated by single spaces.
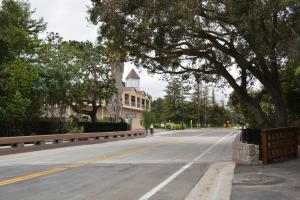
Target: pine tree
pixel 177 92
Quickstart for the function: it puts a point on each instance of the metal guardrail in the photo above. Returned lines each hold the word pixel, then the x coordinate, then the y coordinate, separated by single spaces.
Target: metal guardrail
pixel 10 145
pixel 279 143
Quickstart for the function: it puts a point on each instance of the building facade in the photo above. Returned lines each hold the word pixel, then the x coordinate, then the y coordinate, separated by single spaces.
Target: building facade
pixel 134 102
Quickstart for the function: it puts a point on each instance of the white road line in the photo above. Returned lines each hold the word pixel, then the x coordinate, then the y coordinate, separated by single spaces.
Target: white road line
pixel 173 176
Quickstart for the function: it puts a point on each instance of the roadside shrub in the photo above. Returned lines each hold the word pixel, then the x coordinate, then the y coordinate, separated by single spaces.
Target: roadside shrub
pixel 13 128
pixel 157 125
pixel 173 126
pixel 48 126
pixel 77 129
pixel 90 127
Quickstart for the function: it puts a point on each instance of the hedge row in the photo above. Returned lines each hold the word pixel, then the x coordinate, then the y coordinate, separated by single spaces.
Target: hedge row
pixel 48 127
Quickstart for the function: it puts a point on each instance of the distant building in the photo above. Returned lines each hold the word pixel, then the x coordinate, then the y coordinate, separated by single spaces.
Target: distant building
pixel 134 102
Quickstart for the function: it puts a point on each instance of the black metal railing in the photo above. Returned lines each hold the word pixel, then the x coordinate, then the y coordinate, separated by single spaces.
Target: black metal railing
pixel 13 128
pixel 251 136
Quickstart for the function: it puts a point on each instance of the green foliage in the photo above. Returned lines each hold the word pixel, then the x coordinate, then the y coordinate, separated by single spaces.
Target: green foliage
pixel 218 115
pixel 173 109
pixel 291 91
pixel 17 92
pixel 242 111
pixel 157 107
pixel 148 119
pixel 159 125
pixel 18 31
pixel 208 38
pixel 174 102
pixel 22 78
pixel 56 72
pixel 18 47
pixel 15 107
pixel 245 115
pixel 172 126
pixel 74 74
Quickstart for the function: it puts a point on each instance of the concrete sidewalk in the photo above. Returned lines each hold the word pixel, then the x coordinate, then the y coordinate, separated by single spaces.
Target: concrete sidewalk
pixel 279 181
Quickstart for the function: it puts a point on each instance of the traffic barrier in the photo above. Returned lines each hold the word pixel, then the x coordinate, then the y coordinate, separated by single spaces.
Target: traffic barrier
pixel 11 145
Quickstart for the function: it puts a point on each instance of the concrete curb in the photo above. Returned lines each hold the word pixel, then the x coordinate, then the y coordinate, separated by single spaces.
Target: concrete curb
pixel 215 184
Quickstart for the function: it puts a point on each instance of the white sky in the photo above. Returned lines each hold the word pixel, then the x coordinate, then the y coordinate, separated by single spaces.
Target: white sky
pixel 69 19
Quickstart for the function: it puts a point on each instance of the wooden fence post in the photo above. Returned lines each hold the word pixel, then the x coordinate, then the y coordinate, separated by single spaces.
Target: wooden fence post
pixel 264 146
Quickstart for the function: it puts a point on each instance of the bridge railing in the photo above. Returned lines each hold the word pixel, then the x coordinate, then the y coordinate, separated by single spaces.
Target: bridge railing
pixel 9 145
pixel 279 143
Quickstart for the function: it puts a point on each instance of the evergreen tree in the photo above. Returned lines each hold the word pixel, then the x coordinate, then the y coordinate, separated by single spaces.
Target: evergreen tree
pixel 176 91
pixel 19 44
pixel 213 97
pixel 157 108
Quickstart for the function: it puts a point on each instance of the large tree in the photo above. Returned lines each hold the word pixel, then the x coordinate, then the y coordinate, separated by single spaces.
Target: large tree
pixel 95 85
pixel 240 41
pixel 19 43
pixel 74 74
pixel 19 31
pixel 174 102
pixel 157 107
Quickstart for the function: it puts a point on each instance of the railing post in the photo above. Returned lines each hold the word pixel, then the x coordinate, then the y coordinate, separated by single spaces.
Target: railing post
pixel 58 141
pixel 264 145
pixel 17 145
pixel 74 140
pixel 296 142
pixel 40 143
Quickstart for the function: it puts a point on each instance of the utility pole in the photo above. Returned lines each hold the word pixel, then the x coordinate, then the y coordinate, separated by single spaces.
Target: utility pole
pixel 205 105
pixel 198 102
pixel 182 111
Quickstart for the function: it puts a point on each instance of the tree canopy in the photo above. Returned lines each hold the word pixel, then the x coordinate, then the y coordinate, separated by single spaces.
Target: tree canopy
pixel 42 77
pixel 237 41
pixel 18 31
pixel 74 74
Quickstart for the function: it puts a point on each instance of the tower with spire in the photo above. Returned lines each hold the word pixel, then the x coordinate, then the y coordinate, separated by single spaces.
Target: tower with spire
pixel 133 80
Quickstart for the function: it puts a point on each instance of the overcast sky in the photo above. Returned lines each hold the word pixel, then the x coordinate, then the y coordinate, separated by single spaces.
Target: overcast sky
pixel 69 19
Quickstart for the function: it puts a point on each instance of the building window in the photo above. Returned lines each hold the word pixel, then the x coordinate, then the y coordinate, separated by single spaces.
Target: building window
pixel 133 103
pixel 143 104
pixel 135 83
pixel 126 100
pixel 138 102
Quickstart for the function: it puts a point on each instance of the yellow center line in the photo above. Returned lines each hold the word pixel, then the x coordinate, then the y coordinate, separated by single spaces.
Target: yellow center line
pixel 79 164
pixel 31 176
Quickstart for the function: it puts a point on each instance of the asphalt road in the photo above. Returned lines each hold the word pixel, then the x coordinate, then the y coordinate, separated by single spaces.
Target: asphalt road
pixel 163 166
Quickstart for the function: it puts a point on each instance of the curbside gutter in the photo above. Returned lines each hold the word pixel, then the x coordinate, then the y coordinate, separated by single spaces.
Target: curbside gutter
pixel 215 184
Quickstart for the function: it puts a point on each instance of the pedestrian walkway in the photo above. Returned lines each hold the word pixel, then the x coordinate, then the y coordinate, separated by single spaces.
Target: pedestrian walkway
pixel 279 181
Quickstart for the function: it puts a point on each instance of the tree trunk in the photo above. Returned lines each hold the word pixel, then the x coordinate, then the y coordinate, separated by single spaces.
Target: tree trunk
pixel 93 115
pixel 254 107
pixel 274 89
pixel 259 115
pixel 115 104
pixel 280 108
